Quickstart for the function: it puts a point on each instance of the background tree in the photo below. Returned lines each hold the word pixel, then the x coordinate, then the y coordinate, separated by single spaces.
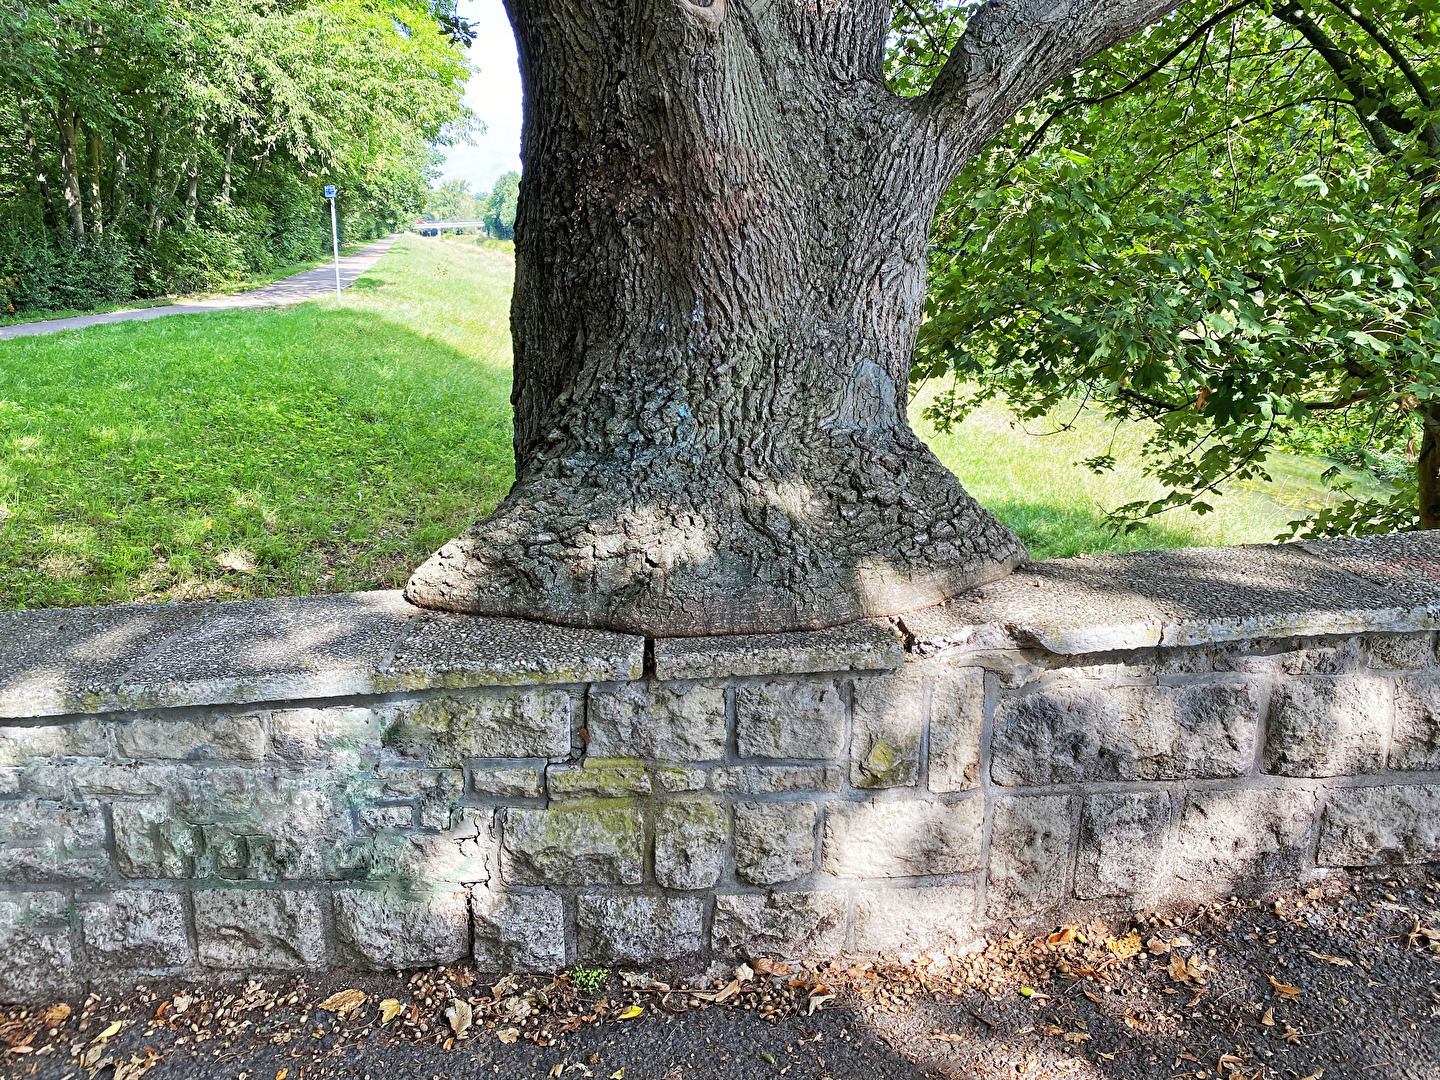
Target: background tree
pixel 452 201
pixel 721 251
pixel 169 147
pixel 1225 228
pixel 501 205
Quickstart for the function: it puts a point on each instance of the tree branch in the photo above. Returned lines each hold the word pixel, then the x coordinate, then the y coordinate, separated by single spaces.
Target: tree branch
pixel 1012 49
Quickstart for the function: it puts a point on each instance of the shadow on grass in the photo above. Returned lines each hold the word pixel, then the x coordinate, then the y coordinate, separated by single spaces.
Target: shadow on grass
pixel 240 454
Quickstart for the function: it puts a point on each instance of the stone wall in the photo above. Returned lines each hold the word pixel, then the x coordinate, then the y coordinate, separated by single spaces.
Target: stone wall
pixel 347 781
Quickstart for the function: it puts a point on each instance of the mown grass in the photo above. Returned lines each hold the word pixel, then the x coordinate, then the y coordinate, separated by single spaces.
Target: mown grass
pixel 248 453
pixel 324 448
pixel 1028 474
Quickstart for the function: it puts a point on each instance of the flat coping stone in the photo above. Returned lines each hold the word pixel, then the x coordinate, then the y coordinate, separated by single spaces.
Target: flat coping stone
pixel 1194 596
pixel 868 645
pixel 58 662
pixel 468 650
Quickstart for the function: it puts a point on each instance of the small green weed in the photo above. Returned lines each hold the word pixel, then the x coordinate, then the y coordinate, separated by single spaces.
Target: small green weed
pixel 588 980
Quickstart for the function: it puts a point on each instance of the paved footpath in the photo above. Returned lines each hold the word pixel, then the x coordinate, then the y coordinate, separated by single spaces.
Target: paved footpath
pixel 310 285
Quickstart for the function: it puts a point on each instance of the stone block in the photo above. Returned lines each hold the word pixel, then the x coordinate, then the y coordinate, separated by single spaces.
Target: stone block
pixel 866 645
pixel 597 778
pixel 574 845
pixel 280 649
pixel 1125 844
pixel 507 781
pixel 658 722
pixel 419 860
pixel 957 712
pixel 213 736
pixel 436 791
pixel 340 735
pixel 401 816
pixel 902 839
pixel 1029 854
pixel 26 744
pixel 518 931
pixel 250 930
pixel 784 926
pixel 398 929
pixel 639 929
pixel 122 780
pixel 1328 727
pixel 1228 842
pixel 677 778
pixel 912 922
pixel 50 843
pixel 445 730
pixel 250 823
pixel 689 842
pixel 469 650
pixel 35 941
pixel 1402 652
pixel 790 720
pixel 774 841
pixel 1415 741
pixel 136 929
pixel 889 722
pixel 771 779
pixel 1067 734
pixel 1370 826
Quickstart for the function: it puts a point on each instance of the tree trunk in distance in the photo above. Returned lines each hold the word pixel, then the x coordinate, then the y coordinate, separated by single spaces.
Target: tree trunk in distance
pixel 229 159
pixel 720 274
pixel 68 124
pixel 92 171
pixel 52 219
pixel 192 186
pixel 1427 468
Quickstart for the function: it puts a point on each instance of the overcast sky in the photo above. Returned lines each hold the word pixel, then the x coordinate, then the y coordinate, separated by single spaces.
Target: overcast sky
pixel 493 94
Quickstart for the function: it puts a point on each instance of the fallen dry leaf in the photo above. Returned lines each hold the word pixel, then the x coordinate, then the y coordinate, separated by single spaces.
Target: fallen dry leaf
pixel 1338 961
pixel 817 1000
pixel 343 1001
pixel 55 1015
pixel 460 1015
pixel 1076 1037
pixel 182 1002
pixel 1269 1018
pixel 941 1036
pixel 109 1032
pixel 1061 937
pixel 1158 946
pixel 630 1012
pixel 556 1069
pixel 1285 990
pixel 509 1035
pixel 771 967
pixel 389 1009
pixel 1124 947
pixel 618 1074
pixel 743 973
pixel 282 1074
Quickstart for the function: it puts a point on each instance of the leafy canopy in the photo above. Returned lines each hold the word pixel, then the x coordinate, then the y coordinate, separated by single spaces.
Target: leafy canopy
pixel 1224 228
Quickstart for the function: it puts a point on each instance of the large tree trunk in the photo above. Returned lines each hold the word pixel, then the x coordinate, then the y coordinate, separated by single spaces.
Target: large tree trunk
pixel 720 272
pixel 69 123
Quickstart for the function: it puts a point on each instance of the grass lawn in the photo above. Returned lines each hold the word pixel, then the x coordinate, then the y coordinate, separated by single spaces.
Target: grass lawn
pixel 324 448
pixel 249 453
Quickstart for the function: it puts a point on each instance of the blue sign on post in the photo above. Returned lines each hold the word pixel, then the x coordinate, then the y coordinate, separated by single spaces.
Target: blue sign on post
pixel 334 237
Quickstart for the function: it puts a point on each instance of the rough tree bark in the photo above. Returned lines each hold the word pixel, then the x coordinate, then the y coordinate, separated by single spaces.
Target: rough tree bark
pixel 92 177
pixel 68 123
pixel 38 165
pixel 720 271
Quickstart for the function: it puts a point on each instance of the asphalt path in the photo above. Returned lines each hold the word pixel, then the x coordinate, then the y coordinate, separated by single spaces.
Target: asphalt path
pixel 308 285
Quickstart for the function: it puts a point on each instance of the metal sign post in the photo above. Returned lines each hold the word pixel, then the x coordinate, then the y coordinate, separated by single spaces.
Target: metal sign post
pixel 334 237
